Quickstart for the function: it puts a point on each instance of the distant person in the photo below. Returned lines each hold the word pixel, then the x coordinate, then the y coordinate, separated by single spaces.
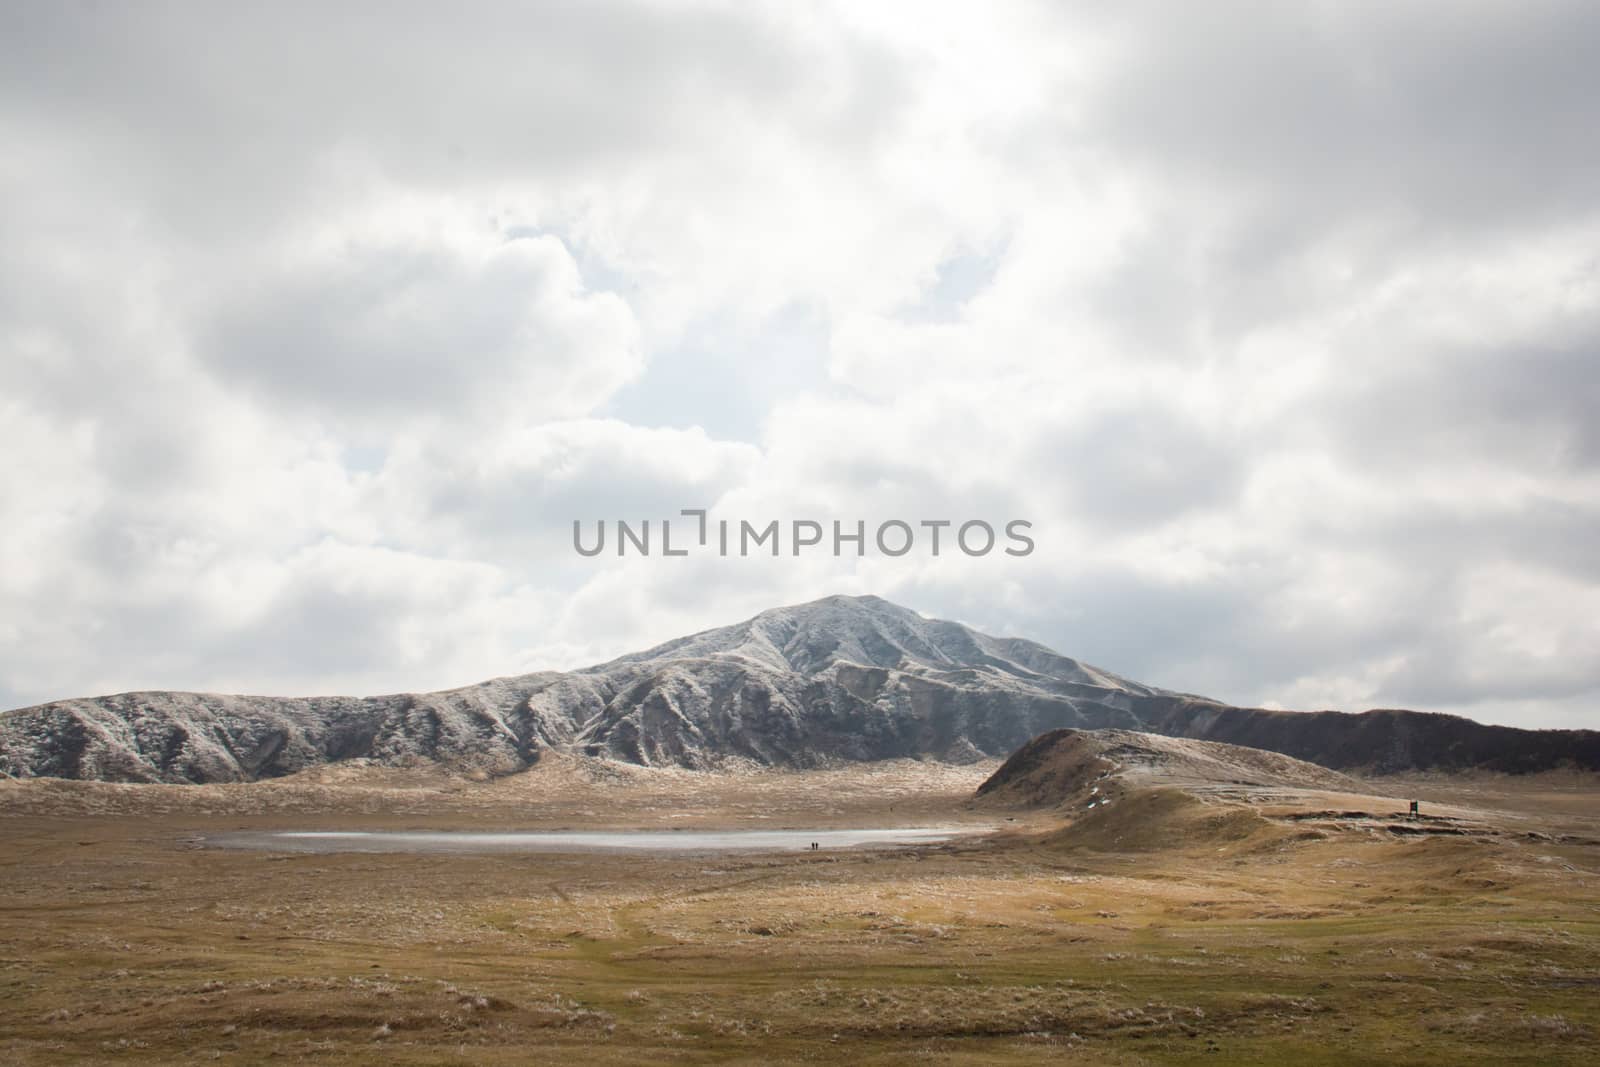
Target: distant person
pixel 1414 811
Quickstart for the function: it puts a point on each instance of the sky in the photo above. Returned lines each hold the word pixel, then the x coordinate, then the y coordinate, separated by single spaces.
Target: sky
pixel 321 324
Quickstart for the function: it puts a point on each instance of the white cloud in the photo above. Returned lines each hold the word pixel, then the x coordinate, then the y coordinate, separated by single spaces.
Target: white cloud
pixel 391 321
pixel 318 329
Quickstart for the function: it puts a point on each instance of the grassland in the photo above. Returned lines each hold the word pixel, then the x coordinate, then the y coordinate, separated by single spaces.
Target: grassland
pixel 1254 938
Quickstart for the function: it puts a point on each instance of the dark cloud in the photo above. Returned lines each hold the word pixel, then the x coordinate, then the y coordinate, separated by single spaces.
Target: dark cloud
pixel 222 120
pixel 1131 466
pixel 1526 403
pixel 1419 117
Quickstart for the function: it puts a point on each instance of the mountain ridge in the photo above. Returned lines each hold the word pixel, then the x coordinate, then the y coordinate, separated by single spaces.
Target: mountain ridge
pixel 834 680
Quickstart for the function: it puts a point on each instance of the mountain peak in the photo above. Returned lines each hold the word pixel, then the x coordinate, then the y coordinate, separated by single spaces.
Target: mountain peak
pixel 866 631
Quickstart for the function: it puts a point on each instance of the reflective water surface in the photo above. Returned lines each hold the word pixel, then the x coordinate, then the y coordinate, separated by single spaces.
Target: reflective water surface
pixel 581 840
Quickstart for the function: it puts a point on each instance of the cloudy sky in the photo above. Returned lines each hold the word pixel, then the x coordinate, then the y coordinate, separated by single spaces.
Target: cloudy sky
pixel 1281 323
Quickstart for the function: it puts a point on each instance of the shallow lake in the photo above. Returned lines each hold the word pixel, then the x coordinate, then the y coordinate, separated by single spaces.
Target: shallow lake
pixel 582 840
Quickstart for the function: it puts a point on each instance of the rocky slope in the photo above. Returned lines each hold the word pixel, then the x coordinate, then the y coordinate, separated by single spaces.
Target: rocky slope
pixel 1123 791
pixel 1088 768
pixel 843 678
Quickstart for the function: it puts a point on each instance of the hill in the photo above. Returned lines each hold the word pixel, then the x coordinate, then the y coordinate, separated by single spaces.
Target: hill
pixel 1089 768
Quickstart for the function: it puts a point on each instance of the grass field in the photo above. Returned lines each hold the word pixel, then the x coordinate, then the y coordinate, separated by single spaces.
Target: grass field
pixel 1312 941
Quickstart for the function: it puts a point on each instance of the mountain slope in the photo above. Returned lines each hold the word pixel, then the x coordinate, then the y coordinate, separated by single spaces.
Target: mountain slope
pixel 1124 791
pixel 1383 741
pixel 1094 767
pixel 842 678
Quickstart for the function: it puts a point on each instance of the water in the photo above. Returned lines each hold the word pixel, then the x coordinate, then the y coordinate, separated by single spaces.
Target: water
pixel 582 840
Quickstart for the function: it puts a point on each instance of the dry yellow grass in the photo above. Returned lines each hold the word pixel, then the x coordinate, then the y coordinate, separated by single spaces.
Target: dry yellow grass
pixel 1257 939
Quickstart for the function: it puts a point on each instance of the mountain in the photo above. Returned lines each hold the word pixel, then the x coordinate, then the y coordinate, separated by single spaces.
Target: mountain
pixel 838 679
pixel 853 678
pixel 843 678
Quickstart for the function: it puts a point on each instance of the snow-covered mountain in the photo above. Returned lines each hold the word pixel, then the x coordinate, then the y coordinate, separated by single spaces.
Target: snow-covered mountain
pixel 843 678
pixel 838 679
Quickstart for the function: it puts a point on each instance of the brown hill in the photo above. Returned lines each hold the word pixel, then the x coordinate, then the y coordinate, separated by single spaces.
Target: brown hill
pixel 1086 769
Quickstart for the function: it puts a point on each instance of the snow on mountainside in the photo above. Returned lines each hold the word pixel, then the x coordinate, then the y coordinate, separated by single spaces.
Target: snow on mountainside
pixel 843 678
pixel 870 631
pixel 854 678
pixel 838 679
